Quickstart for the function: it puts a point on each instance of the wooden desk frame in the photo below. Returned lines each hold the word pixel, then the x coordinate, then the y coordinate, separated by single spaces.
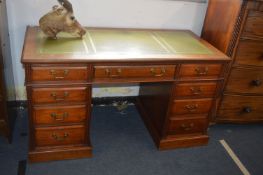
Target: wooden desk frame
pixel 177 96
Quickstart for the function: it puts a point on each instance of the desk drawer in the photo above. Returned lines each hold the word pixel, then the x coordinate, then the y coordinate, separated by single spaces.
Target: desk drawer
pixel 60 73
pixel 187 126
pixel 254 24
pixel 191 106
pixel 199 71
pixel 245 80
pixel 194 90
pixel 250 52
pixel 58 136
pixel 134 72
pixel 59 95
pixel 241 108
pixel 52 115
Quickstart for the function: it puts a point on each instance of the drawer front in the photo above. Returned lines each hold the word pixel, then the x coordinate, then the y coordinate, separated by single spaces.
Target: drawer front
pixel 62 73
pixel 187 126
pixel 191 106
pixel 254 24
pixel 195 89
pixel 200 70
pixel 59 114
pixel 134 72
pixel 58 136
pixel 245 80
pixel 250 52
pixel 59 95
pixel 241 108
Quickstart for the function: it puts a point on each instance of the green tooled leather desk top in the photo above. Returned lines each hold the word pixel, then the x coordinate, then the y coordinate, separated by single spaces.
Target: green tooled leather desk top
pixel 123 42
pixel 118 45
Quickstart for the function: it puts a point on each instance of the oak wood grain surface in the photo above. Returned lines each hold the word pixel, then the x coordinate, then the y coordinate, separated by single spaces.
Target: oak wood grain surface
pixel 55 136
pixel 249 52
pixel 54 115
pixel 241 109
pixel 59 73
pixel 59 95
pixel 200 70
pixel 191 106
pixel 160 72
pixel 197 90
pixel 187 126
pixel 246 80
pixel 253 26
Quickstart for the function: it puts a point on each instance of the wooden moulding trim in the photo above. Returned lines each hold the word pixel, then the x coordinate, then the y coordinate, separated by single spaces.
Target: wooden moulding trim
pixel 239 121
pixel 183 142
pixel 60 154
pixel 237 30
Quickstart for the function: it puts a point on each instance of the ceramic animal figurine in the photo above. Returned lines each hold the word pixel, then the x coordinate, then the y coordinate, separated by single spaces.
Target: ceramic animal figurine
pixel 61 19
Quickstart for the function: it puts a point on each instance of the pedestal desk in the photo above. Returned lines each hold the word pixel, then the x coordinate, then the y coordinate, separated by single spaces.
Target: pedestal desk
pixel 180 78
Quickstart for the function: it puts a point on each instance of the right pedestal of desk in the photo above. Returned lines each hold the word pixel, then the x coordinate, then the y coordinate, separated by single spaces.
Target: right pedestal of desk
pixel 177 113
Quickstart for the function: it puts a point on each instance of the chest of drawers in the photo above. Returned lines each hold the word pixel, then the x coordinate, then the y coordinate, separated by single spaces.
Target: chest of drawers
pixel 179 84
pixel 58 96
pixel 241 36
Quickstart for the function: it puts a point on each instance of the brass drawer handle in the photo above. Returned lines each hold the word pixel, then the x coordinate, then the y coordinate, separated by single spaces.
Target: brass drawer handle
pixel 155 74
pixel 191 107
pixel 108 72
pixel 201 70
pixel 59 117
pixel 55 76
pixel 187 127
pixel 247 109
pixel 57 98
pixel 196 90
pixel 256 82
pixel 60 138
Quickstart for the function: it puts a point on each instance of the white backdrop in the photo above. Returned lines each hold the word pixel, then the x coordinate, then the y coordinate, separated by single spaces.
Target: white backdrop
pixel 170 14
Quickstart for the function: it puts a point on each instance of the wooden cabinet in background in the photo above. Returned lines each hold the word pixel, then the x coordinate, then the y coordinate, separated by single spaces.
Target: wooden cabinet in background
pixel 236 28
pixel 4 124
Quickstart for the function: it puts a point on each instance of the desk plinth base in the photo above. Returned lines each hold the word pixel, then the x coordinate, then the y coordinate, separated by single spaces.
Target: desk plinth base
pixel 172 142
pixel 60 154
pixel 182 142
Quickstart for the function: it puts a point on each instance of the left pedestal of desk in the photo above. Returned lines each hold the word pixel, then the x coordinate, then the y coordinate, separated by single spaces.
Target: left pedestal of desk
pixel 59 102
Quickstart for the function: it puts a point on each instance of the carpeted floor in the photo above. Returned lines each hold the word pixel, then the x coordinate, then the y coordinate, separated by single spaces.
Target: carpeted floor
pixel 123 146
